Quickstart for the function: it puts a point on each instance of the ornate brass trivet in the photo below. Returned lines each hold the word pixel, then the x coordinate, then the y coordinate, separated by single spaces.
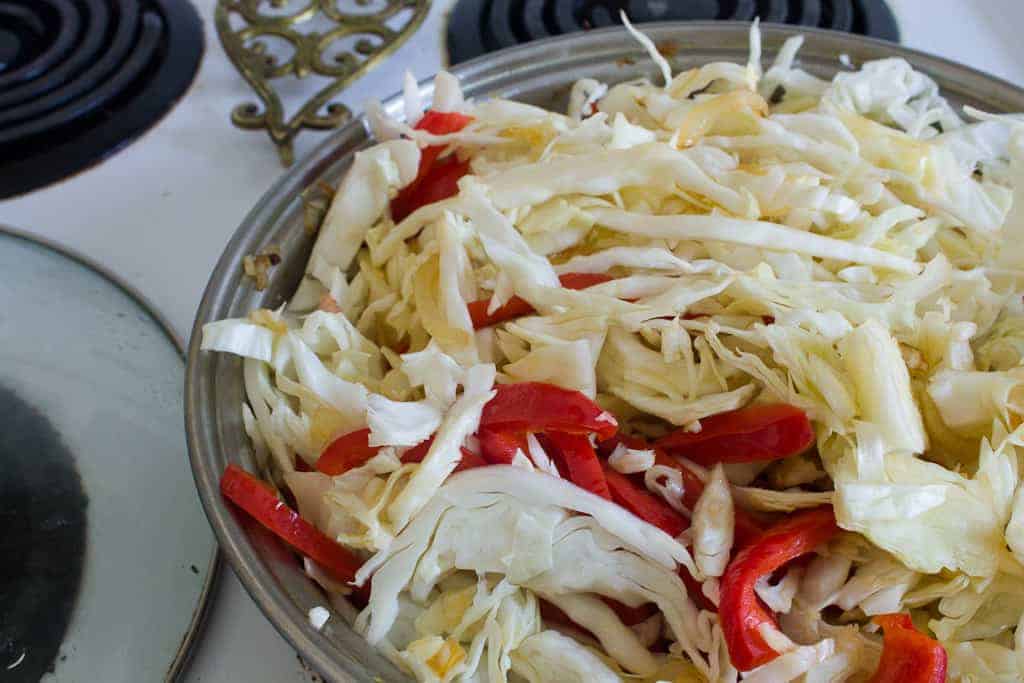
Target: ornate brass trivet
pixel 336 39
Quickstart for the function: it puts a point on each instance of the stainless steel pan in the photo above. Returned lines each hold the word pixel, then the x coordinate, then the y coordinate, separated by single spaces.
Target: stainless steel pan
pixel 540 73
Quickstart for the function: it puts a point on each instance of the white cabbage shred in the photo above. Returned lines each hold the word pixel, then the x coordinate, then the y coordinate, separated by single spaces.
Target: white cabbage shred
pixel 851 247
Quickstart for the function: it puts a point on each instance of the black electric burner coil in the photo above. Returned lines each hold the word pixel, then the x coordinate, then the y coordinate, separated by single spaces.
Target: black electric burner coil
pixel 477 27
pixel 79 79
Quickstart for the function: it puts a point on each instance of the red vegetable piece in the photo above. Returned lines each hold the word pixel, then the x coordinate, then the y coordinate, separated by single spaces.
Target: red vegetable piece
pixel 696 591
pixel 741 613
pixel 470 460
pixel 429 185
pixel 513 308
pixel 634 496
pixel 442 122
pixel 353 450
pixel 347 452
pixel 693 486
pixel 419 451
pixel 517 308
pixel 908 656
pixel 747 527
pixel 541 407
pixel 581 463
pixel 754 433
pixel 583 280
pixel 499 448
pixel 262 504
pixel 605 447
pixel 645 505
pixel 440 181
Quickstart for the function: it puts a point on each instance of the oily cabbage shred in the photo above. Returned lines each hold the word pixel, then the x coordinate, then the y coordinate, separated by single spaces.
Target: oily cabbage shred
pixel 746 235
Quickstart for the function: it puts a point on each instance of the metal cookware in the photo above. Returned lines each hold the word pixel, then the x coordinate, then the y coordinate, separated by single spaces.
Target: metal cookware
pixel 540 73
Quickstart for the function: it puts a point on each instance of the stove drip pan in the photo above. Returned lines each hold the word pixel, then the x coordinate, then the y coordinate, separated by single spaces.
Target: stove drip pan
pixel 477 27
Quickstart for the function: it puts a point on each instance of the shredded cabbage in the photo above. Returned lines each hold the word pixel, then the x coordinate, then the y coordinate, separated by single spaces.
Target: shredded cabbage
pixel 851 247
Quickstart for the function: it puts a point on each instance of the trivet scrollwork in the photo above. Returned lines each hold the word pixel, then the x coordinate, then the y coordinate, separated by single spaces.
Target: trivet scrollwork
pixel 336 39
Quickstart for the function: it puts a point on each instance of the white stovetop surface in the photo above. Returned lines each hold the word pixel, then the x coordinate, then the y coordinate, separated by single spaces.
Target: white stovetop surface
pixel 160 212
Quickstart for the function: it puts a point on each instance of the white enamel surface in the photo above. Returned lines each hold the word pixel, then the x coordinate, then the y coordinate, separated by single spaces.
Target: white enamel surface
pixel 160 212
pixel 88 357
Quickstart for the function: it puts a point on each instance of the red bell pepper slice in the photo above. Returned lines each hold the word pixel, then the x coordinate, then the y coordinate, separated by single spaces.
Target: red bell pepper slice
pixel 440 181
pixel 442 122
pixel 908 656
pixel 579 462
pixel 747 527
pixel 346 452
pixel 634 496
pixel 354 450
pixel 645 505
pixel 542 407
pixel 419 451
pixel 517 308
pixel 741 613
pixel 499 448
pixel 434 181
pixel 754 433
pixel 263 505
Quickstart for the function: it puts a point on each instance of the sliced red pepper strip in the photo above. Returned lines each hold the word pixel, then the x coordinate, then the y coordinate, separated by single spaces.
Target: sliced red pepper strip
pixel 633 495
pixel 442 122
pixel 470 460
pixel 347 452
pixel 583 280
pixel 263 505
pixel 499 448
pixel 696 591
pixel 693 485
pixel 517 308
pixel 513 308
pixel 908 656
pixel 441 181
pixel 747 527
pixel 537 407
pixel 354 450
pixel 606 447
pixel 431 184
pixel 645 505
pixel 754 433
pixel 581 463
pixel 419 451
pixel 542 407
pixel 741 613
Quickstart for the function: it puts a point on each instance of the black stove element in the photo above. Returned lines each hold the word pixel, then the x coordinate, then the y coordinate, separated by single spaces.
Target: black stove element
pixel 477 27
pixel 43 518
pixel 79 79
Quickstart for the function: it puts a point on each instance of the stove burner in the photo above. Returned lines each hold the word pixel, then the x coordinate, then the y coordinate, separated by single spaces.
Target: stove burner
pixel 477 27
pixel 43 515
pixel 79 79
